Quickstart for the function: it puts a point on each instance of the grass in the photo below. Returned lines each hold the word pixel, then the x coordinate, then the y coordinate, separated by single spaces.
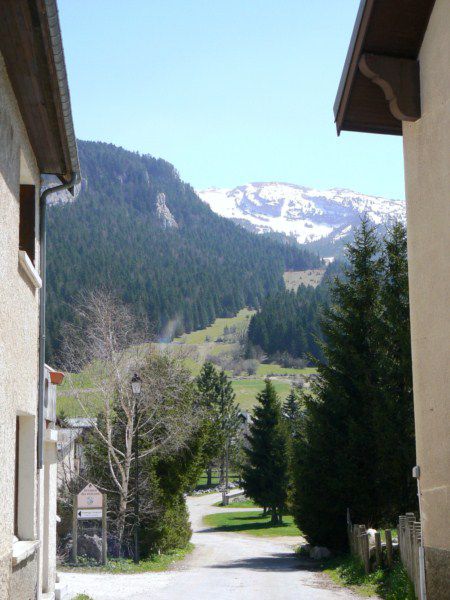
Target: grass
pixel 251 522
pixel 293 279
pixel 82 597
pixel 158 562
pixel 246 390
pixel 273 369
pixel 390 584
pixel 71 407
pixel 201 482
pixel 216 329
pixel 243 504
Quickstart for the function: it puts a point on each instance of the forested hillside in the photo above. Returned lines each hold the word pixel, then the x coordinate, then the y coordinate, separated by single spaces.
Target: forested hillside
pixel 138 230
pixel 289 321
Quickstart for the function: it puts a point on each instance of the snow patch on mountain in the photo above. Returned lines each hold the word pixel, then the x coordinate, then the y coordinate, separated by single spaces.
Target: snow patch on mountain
pixel 306 213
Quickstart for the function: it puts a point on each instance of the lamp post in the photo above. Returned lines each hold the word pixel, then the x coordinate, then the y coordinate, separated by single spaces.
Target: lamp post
pixel 136 383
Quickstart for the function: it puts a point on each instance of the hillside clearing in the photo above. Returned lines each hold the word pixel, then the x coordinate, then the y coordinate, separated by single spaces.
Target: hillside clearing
pixel 196 348
pixel 294 279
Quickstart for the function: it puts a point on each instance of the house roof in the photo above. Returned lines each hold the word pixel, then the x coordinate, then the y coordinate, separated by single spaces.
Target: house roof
pixel 392 32
pixel 31 46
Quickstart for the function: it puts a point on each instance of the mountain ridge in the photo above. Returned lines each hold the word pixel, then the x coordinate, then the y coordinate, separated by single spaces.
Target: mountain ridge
pixel 309 215
pixel 137 229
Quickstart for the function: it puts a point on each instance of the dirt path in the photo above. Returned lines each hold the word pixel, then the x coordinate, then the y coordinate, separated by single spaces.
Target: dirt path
pixel 223 566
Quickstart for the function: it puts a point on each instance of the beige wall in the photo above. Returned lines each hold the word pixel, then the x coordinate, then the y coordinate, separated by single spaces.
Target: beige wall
pixel 19 302
pixel 427 168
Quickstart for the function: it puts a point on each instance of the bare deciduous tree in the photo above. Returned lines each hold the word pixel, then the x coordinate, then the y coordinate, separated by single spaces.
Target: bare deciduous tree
pixel 104 347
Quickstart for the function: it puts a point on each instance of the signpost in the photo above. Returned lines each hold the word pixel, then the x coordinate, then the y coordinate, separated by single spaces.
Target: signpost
pixel 89 504
pixel 90 497
pixel 90 513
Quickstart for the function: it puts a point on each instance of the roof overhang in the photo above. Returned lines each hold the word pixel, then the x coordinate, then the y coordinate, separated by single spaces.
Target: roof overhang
pixel 31 46
pixel 380 83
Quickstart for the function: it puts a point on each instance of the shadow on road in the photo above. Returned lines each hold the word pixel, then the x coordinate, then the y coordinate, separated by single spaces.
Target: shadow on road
pixel 275 562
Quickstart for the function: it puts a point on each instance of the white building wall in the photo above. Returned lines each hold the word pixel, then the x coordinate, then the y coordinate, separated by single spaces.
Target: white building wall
pixel 427 170
pixel 19 305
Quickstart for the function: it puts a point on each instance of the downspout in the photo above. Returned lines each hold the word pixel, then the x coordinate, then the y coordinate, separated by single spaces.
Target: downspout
pixel 42 293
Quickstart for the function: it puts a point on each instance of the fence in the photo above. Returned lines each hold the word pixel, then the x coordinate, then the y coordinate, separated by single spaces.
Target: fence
pixel 411 551
pixel 367 546
pixel 373 554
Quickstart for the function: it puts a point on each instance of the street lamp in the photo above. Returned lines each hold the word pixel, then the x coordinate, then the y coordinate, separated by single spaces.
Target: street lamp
pixel 136 383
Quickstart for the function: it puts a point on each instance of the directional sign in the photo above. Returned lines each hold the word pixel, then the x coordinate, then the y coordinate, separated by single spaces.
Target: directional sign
pixel 90 497
pixel 90 513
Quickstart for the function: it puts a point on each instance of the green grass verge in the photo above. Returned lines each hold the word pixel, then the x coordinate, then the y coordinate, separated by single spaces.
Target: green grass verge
pixel 158 562
pixel 390 584
pixel 243 504
pixel 246 390
pixel 82 597
pixel 252 523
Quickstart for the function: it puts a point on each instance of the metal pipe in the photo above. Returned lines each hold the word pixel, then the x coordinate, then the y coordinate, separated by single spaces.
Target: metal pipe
pixel 43 263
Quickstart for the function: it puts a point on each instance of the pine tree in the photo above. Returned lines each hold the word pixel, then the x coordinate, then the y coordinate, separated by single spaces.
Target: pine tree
pixel 336 459
pixel 395 414
pixel 266 472
pixel 291 408
pixel 222 414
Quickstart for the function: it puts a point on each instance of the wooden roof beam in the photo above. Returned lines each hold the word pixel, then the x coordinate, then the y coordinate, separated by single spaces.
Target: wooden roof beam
pixel 399 78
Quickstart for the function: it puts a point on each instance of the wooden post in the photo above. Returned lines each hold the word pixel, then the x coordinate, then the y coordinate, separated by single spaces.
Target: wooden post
pixel 75 530
pixel 362 531
pixel 378 555
pixel 365 548
pixel 389 549
pixel 410 518
pixel 417 542
pixel 104 532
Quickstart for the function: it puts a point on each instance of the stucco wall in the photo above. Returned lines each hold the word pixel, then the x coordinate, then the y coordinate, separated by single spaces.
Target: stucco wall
pixel 25 580
pixel 427 168
pixel 18 323
pixel 48 515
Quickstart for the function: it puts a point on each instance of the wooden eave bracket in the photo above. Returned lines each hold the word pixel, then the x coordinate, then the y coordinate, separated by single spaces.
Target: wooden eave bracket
pixel 399 78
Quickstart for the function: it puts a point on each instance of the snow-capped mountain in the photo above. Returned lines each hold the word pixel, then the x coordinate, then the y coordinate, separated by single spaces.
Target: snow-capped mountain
pixel 308 214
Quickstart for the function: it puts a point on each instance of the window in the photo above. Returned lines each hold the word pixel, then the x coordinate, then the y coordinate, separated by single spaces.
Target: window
pixel 27 222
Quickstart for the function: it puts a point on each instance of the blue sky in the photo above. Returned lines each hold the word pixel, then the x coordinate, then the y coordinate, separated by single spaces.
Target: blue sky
pixel 228 91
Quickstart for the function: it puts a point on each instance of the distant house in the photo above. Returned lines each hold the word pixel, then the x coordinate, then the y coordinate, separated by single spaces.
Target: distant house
pixel 36 137
pixel 71 438
pixel 396 81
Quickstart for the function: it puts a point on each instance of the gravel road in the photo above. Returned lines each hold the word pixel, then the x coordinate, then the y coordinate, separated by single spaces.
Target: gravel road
pixel 223 566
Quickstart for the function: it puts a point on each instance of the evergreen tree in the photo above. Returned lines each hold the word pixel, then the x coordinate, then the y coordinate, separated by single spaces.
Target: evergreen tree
pixel 291 410
pixel 395 414
pixel 289 322
pixel 222 417
pixel 266 472
pixel 336 464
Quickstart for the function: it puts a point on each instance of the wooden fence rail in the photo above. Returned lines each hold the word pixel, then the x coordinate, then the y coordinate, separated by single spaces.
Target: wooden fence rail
pixel 373 553
pixel 409 539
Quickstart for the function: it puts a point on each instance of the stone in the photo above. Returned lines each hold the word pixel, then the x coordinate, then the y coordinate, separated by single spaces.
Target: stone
pixel 90 546
pixel 304 549
pixel 319 552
